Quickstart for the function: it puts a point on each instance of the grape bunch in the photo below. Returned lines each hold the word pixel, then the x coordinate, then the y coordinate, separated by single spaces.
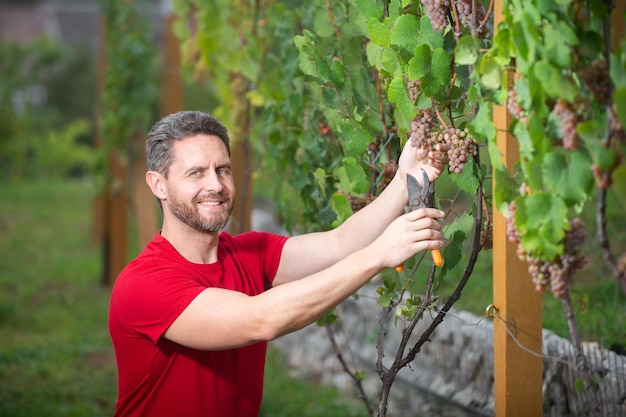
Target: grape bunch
pixel 464 10
pixel 515 108
pixel 569 119
pixel 597 79
pixel 414 89
pixel 557 273
pixel 437 12
pixel 456 144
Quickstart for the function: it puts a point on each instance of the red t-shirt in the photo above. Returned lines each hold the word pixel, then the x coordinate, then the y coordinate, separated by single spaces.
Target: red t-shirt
pixel 159 378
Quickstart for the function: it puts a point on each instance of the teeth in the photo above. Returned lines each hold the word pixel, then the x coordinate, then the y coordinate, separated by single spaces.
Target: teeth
pixel 210 203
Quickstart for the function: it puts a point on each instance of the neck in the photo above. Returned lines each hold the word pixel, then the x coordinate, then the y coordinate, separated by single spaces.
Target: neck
pixel 197 247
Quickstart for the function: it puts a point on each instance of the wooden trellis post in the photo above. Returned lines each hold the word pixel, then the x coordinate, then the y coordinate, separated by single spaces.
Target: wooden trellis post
pixel 111 207
pixel 518 375
pixel 127 185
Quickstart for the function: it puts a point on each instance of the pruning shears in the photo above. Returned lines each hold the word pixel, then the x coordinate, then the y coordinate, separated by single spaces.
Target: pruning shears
pixel 420 197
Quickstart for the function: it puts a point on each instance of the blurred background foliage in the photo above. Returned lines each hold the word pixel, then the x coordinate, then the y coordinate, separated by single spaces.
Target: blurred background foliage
pixel 47 97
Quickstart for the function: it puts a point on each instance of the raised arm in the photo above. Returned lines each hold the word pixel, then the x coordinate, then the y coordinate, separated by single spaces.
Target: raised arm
pixel 224 319
pixel 306 254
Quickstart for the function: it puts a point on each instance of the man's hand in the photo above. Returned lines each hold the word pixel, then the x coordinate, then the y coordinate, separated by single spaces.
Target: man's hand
pixel 409 234
pixel 413 160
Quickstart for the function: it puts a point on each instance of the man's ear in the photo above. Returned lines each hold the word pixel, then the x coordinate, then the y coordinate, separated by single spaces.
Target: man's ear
pixel 156 182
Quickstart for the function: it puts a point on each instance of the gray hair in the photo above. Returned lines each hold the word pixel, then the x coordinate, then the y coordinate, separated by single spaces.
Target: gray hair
pixel 179 126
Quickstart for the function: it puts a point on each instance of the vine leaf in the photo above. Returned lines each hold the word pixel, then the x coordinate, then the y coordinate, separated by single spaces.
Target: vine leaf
pixel 370 8
pixel 506 189
pixel 456 234
pixel 573 181
pixel 554 83
pixel 309 60
pixel 467 180
pixel 541 219
pixel 429 36
pixel 352 177
pixel 490 72
pixel 403 33
pixel 379 31
pixel 620 103
pixel 319 175
pixel 398 94
pixel 341 206
pixel 466 51
pixel 356 138
pixel 419 65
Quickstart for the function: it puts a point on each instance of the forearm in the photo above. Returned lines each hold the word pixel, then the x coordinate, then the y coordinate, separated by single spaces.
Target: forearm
pixel 299 303
pixel 367 224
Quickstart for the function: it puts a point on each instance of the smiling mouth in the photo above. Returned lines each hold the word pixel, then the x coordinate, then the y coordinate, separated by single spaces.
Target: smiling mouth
pixel 210 203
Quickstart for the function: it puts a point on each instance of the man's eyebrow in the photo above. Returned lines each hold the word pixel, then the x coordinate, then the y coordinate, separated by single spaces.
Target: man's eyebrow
pixel 195 168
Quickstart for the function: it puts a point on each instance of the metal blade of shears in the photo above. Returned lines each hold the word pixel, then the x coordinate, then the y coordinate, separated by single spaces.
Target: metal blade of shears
pixel 420 197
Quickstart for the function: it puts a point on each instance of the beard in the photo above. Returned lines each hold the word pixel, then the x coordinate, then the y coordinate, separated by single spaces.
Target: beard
pixel 190 215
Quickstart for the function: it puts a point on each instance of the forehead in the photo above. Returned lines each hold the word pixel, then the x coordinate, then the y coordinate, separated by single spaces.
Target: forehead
pixel 197 148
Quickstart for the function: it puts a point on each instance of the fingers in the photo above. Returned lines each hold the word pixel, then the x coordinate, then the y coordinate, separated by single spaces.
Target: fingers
pixel 414 232
pixel 431 213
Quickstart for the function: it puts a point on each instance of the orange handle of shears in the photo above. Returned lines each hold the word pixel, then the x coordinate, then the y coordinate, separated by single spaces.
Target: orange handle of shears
pixel 437 259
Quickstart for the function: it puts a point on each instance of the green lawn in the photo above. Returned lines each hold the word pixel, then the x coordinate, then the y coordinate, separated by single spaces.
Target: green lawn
pixel 56 359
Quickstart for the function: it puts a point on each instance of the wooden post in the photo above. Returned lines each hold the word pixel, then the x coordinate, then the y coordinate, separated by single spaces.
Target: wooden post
pixel 111 207
pixel 171 101
pixel 517 372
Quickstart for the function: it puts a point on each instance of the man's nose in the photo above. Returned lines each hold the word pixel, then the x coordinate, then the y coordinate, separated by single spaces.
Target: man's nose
pixel 213 182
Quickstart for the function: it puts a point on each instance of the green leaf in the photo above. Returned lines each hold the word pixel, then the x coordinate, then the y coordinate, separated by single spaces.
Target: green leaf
pixel 526 148
pixel 404 31
pixel 374 54
pixel 341 206
pixel 441 66
pixel 352 178
pixel 319 176
pixel 506 189
pixel 490 72
pixel 541 219
pixel 466 51
pixel 619 184
pixel 619 98
pixel 557 50
pixel 573 181
pixel 456 234
pixel 428 36
pixel 420 64
pixel 356 139
pixel 370 8
pixel 379 31
pixel 338 72
pixel 398 94
pixel 467 180
pixel 554 83
pixel 482 126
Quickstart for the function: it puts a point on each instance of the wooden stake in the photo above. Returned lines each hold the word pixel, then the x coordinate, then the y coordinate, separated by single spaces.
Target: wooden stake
pixel 517 351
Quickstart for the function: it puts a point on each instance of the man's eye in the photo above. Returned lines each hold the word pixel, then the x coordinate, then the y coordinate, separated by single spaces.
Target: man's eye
pixel 222 171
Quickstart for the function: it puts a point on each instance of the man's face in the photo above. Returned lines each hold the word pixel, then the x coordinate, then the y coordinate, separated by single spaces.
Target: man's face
pixel 201 188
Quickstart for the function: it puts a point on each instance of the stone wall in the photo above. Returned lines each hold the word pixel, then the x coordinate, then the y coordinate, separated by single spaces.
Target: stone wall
pixel 453 373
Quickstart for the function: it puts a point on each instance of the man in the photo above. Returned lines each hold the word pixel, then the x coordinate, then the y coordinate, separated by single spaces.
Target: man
pixel 190 317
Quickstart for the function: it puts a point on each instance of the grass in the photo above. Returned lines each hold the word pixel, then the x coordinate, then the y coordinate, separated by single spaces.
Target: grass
pixel 56 357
